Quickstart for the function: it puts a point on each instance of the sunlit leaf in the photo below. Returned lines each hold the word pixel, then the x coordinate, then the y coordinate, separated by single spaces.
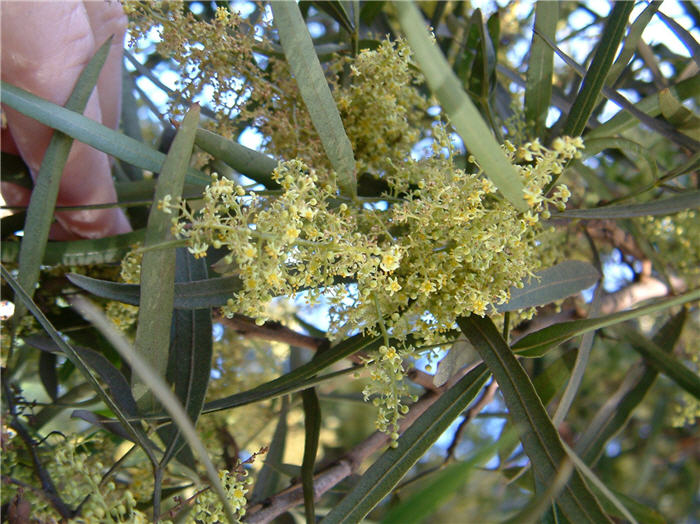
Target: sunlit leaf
pixel 40 212
pixel 307 70
pixel 552 284
pixel 598 70
pixel 466 119
pixel 540 342
pixel 390 468
pixel 158 265
pixel 540 439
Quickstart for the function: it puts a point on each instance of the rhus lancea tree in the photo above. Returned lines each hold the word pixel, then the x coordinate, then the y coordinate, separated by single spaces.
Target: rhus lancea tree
pixel 389 261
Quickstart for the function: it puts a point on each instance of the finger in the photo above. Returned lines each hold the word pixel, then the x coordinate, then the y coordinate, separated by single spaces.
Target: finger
pixel 108 19
pixel 45 46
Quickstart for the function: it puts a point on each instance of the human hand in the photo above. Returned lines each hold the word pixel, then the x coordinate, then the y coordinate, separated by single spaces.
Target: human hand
pixel 45 46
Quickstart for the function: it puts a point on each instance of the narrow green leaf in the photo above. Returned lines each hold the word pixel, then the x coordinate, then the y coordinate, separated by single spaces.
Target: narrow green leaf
pixel 48 375
pixel 190 353
pixel 626 146
pixel 552 379
pixel 40 212
pixel 198 294
pixel 539 437
pixel 684 119
pixel 640 512
pixel 684 36
pixel 555 283
pixel 464 66
pixel 90 132
pixel 110 375
pixel 662 361
pixel 130 121
pixel 540 506
pixel 540 67
pixel 582 356
pixel 614 414
pixel 394 463
pixel 466 119
pixel 336 10
pixel 659 207
pixel 540 342
pixel 81 252
pixel 312 431
pixel 74 396
pixel 650 105
pixel 109 425
pixel 136 432
pixel 294 379
pixel 594 79
pixel 599 485
pixel 161 390
pixel 442 486
pixel 307 70
pixel 158 266
pixel 629 47
pixel 459 355
pixel 483 75
pixel 248 162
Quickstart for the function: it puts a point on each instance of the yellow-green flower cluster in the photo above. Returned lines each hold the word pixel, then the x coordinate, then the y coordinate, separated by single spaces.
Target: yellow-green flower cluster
pixel 124 315
pixel 76 473
pixel 279 246
pixel 208 506
pixel 217 53
pixel 452 247
pixel 380 106
pixel 388 388
pixel 678 238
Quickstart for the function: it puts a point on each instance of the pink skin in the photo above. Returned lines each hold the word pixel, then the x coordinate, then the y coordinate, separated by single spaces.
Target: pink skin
pixel 45 46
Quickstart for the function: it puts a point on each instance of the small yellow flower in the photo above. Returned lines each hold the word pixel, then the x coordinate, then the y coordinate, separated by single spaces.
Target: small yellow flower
pixel 390 260
pixel 291 233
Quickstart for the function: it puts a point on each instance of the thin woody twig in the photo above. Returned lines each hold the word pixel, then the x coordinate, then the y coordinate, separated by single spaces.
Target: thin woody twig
pixel 484 400
pixel 47 486
pixel 271 330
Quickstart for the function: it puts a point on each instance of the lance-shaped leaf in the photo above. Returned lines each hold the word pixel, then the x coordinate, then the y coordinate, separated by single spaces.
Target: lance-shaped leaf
pixel 197 294
pixel 268 477
pixel 160 390
pixel 540 66
pixel 293 380
pixel 459 355
pixel 539 437
pixel 110 375
pixel 660 207
pixel 158 265
pixel 614 414
pixel 307 70
pixel 81 252
pixel 247 161
pixel 603 58
pixel 540 342
pixel 390 468
pixel 90 132
pixel 464 116
pixel 442 487
pixel 40 212
pixel 650 105
pixel 312 431
pixel 555 283
pixel 662 361
pixel 189 364
pixel 134 430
